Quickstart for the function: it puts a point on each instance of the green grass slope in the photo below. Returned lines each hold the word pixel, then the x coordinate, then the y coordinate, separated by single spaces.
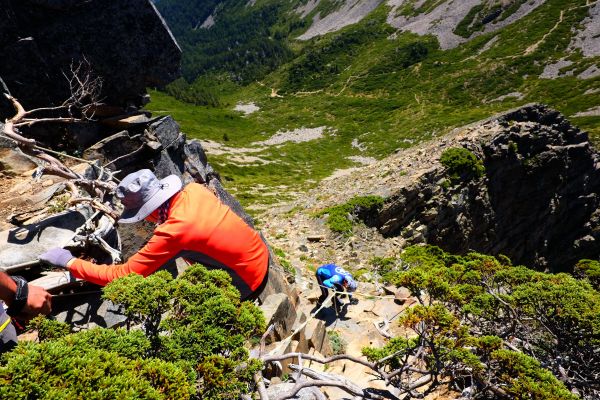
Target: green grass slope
pixel 377 90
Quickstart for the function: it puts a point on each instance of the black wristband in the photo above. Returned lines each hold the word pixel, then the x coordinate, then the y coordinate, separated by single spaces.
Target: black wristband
pixel 21 294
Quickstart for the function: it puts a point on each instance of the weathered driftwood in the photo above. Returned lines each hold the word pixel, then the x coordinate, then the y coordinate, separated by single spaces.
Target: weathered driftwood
pixel 53 281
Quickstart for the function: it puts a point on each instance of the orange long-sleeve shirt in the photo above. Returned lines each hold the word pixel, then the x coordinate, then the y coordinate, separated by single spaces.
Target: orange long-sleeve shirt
pixel 199 227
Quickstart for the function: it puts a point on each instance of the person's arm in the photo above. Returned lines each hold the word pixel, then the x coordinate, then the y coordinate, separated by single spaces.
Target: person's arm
pixel 162 247
pixel 331 282
pixel 39 301
pixel 8 288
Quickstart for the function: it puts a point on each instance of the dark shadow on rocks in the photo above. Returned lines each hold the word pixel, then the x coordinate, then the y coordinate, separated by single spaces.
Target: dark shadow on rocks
pixel 86 309
pixel 329 315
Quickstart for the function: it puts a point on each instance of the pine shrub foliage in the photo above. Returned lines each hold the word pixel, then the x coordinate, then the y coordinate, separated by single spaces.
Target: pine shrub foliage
pixel 191 345
pixel 498 330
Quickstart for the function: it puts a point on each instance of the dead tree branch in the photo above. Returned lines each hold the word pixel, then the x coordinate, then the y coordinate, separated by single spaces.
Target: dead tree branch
pixel 85 89
pixel 322 380
pixel 309 357
pixel 260 385
pixel 52 165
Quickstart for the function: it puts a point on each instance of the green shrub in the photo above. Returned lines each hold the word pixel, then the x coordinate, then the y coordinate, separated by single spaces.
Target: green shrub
pixel 590 270
pixel 384 266
pixel 461 164
pixel 48 328
pixel 510 328
pixel 338 346
pixel 192 344
pixel 464 28
pixel 144 299
pixel 59 369
pixel 341 218
pixel 287 266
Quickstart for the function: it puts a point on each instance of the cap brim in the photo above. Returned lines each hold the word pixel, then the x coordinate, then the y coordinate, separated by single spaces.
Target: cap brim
pixel 171 185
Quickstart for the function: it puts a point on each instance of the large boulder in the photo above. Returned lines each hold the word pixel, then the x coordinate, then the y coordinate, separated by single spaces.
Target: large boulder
pixel 126 43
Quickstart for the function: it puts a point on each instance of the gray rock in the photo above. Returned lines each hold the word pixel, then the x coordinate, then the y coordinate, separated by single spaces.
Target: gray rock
pixel 402 294
pixel 26 243
pixel 14 161
pixel 285 387
pixel 316 337
pixel 87 310
pixel 279 310
pixel 129 47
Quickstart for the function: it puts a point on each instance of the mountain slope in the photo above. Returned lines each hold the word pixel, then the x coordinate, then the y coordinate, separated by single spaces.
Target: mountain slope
pixel 360 93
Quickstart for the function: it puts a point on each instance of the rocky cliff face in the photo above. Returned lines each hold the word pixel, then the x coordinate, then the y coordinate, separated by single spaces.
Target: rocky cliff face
pixel 127 44
pixel 537 203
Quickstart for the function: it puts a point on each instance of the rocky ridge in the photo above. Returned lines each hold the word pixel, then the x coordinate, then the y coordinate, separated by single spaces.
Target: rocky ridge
pixel 118 137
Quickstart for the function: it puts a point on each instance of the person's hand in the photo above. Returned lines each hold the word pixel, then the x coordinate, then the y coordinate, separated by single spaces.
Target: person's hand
pixel 39 301
pixel 354 301
pixel 57 257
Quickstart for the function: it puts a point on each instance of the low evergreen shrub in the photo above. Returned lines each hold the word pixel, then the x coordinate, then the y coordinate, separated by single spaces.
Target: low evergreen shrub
pixel 461 164
pixel 192 345
pixel 501 330
pixel 341 218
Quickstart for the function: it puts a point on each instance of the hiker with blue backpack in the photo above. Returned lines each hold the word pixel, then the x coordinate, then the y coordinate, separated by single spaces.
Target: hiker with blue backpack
pixel 331 276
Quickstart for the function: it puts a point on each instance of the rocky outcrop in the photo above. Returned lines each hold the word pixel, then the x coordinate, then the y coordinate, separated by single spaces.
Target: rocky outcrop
pixel 127 44
pixel 538 202
pixel 350 12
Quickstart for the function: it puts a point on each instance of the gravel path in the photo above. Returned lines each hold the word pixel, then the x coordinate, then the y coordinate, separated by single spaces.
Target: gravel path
pixel 297 136
pixel 246 108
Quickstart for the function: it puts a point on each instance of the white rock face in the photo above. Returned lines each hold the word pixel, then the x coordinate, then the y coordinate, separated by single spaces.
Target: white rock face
pixel 588 39
pixel 590 73
pixel 442 21
pixel 307 8
pixel 363 160
pixel 592 112
pixel 552 71
pixel 514 95
pixel 351 12
pixel 208 22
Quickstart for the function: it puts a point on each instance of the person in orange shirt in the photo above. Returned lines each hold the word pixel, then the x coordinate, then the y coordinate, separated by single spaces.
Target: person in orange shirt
pixel 192 223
